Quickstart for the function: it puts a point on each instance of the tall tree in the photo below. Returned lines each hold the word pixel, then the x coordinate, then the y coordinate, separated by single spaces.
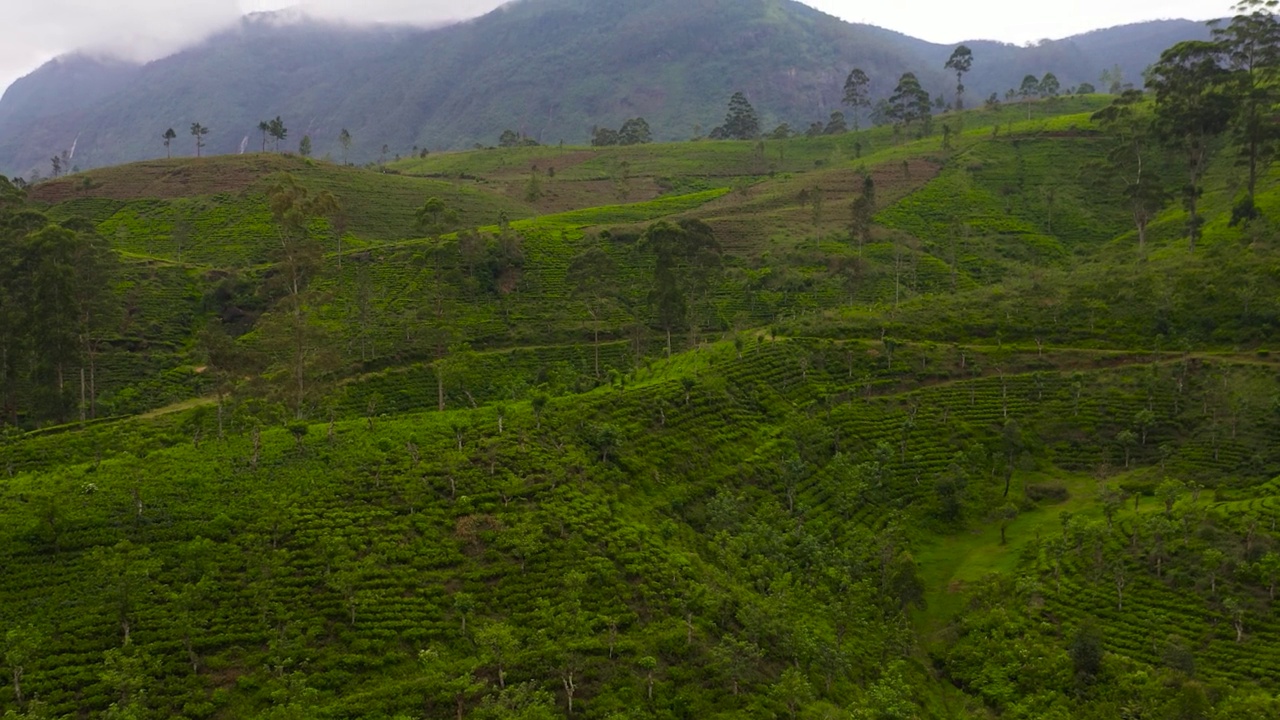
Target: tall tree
pixel 863 210
pixel 1049 86
pixel 1251 45
pixel 857 94
pixel 1030 88
pixel 303 352
pixel 198 131
pixel 635 132
pixel 435 218
pixel 1193 106
pixel 685 256
pixel 909 103
pixel 961 61
pixel 741 122
pixel 264 127
pixel 344 138
pixel 168 137
pixel 1130 159
pixel 278 131
pixel 593 278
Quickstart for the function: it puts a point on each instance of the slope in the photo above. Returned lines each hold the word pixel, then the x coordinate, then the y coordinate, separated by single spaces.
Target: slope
pixel 561 67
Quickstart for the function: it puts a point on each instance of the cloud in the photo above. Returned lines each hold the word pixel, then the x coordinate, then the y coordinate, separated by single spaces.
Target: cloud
pixel 382 11
pixel 137 30
pixel 143 30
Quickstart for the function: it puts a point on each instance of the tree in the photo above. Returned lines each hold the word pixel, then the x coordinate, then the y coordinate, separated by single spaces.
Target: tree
pixel 344 138
pixel 1268 569
pixel 736 659
pixel 304 147
pixel 168 137
pixel 264 127
pixel 1086 650
pixel 499 642
pixel 593 279
pixel 454 677
pixel 1113 80
pixel 1086 89
pixel 1129 162
pixel 435 218
pixel 1214 562
pixel 741 122
pixel 1049 86
pixel 862 213
pixel 1251 46
pixel 22 644
pixel 125 573
pixel 793 691
pixel 301 349
pixel 1193 107
pixel 198 131
pixel 277 131
pixel 1030 88
pixel 635 132
pixel 1006 514
pixel 961 61
pixel 909 102
pixel 856 94
pixel 56 165
pixel 836 125
pixel 686 254
pixel 1236 611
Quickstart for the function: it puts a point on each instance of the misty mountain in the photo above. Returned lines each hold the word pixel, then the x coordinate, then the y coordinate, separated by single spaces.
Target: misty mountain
pixel 550 68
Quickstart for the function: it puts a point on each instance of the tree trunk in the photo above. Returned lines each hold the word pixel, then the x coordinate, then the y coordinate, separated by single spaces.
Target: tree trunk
pixel 17 684
pixel 569 689
pixel 439 388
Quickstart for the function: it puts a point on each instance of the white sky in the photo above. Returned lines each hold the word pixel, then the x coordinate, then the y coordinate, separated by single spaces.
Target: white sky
pixel 36 31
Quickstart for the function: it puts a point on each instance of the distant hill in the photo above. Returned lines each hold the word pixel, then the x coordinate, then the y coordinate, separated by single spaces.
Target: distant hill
pixel 550 68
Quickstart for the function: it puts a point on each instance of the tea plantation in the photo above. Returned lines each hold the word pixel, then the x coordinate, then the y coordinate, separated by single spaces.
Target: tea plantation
pixel 661 431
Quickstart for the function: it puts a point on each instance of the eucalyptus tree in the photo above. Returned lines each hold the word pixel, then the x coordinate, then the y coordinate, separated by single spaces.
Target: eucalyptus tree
pixel 961 61
pixel 909 103
pixel 686 256
pixel 301 350
pixel 1130 159
pixel 1250 44
pixel 344 138
pixel 1030 88
pixel 1194 105
pixel 168 137
pixel 593 278
pixel 857 94
pixel 198 131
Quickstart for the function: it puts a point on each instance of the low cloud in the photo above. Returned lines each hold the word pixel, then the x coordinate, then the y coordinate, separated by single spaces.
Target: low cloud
pixel 143 30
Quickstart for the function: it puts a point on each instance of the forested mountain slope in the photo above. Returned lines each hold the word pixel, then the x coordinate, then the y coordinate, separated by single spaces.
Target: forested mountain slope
pixel 552 69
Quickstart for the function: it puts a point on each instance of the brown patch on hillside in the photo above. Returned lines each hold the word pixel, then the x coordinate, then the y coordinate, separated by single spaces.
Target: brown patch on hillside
pixel 746 219
pixel 166 179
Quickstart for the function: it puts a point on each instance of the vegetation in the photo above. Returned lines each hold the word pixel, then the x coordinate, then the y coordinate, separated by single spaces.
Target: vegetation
pixel 878 423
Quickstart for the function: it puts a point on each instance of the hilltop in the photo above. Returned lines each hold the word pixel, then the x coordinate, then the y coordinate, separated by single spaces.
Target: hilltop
pixel 551 69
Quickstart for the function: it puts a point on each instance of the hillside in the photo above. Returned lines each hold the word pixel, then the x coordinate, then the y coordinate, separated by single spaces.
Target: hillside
pixel 882 424
pixel 565 66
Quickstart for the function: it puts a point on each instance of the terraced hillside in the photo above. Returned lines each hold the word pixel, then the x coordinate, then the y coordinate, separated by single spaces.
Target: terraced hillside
pixel 649 432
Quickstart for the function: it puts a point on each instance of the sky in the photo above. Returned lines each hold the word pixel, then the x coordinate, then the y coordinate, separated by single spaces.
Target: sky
pixel 36 31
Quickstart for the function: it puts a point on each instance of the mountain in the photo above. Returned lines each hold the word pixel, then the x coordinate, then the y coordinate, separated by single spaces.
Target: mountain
pixel 550 68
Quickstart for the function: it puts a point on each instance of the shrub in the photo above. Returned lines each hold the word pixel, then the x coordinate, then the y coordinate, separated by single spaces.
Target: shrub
pixel 1054 492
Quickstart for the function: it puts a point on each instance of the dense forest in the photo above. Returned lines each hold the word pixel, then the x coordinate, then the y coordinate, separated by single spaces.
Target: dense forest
pixel 964 411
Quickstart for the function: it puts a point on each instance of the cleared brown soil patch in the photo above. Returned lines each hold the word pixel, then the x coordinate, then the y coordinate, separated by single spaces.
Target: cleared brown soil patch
pixel 166 179
pixel 745 220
